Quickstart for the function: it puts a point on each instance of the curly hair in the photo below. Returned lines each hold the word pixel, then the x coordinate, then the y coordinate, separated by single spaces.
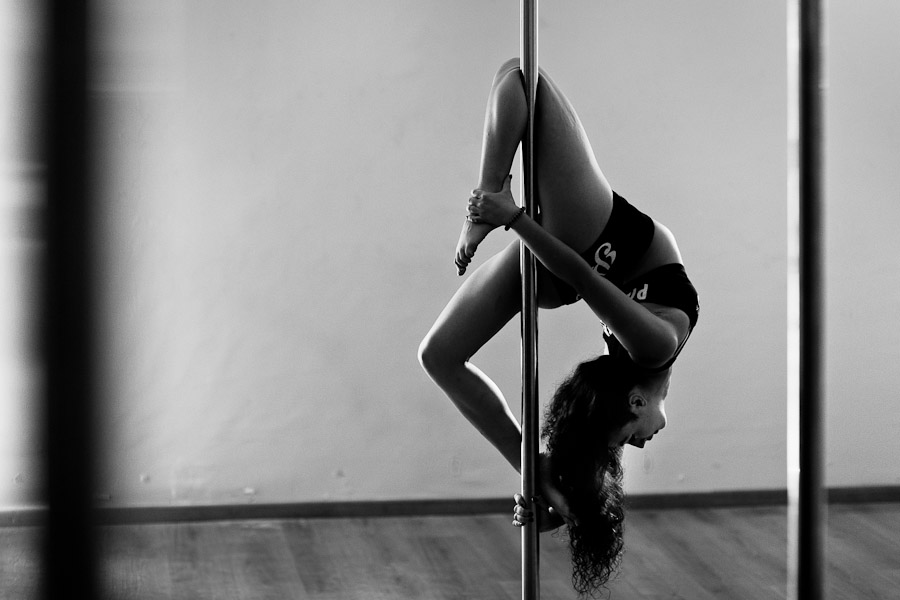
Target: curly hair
pixel 587 406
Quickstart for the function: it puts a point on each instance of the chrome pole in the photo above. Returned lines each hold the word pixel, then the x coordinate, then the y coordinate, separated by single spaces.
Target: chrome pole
pixel 807 507
pixel 530 539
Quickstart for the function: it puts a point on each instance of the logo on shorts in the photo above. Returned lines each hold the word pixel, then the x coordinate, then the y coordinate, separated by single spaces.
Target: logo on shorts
pixel 640 294
pixel 604 258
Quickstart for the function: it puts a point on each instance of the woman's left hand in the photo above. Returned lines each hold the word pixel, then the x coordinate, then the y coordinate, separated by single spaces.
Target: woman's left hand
pixel 494 208
pixel 523 514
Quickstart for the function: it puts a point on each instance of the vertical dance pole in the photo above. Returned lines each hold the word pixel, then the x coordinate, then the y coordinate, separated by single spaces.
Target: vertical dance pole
pixel 531 589
pixel 806 498
pixel 69 560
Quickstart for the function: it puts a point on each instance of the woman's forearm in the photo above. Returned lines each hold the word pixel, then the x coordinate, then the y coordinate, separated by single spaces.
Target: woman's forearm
pixel 559 258
pixel 649 339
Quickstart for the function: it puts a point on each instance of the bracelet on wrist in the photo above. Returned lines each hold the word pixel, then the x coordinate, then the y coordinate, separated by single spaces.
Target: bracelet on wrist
pixel 515 218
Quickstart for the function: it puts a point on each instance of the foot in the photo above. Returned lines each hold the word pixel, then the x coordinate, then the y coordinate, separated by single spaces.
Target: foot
pixel 472 234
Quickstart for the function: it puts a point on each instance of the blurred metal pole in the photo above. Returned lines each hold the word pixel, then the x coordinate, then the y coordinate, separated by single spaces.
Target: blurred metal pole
pixel 68 557
pixel 530 539
pixel 807 497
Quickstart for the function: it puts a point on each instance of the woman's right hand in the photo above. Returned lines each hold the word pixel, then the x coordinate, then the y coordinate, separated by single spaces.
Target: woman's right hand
pixel 495 208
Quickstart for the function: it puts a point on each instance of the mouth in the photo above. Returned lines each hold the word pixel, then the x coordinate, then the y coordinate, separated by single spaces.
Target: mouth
pixel 636 441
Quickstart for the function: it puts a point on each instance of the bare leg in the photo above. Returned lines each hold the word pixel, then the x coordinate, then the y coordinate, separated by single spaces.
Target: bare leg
pixel 575 202
pixel 504 126
pixel 484 303
pixel 575 197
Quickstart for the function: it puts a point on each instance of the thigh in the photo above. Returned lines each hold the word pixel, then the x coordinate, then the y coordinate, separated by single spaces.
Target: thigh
pixel 574 195
pixel 484 304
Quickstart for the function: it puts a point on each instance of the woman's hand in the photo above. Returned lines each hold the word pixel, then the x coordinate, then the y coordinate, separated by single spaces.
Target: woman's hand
pixel 547 518
pixel 551 506
pixel 494 208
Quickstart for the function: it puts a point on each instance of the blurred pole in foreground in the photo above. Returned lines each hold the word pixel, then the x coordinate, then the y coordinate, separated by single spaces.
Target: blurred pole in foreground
pixel 68 559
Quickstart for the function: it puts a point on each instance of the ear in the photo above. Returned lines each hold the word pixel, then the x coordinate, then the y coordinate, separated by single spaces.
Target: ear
pixel 636 399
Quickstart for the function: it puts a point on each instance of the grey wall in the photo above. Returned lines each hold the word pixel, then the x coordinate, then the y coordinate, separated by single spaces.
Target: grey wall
pixel 283 185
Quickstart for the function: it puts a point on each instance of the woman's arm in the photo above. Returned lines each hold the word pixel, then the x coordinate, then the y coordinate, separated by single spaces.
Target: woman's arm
pixel 648 338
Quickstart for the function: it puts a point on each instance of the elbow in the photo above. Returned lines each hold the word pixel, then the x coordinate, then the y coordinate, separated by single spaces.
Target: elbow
pixel 658 353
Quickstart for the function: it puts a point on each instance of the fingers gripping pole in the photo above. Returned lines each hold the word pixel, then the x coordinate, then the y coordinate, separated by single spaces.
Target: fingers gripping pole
pixel 530 540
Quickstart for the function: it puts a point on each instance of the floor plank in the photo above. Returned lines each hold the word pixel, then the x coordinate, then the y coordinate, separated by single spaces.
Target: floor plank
pixel 19 568
pixel 863 551
pixel 696 554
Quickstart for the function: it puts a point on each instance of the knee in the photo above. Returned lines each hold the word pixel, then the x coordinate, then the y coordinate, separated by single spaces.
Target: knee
pixel 434 357
pixel 429 355
pixel 508 91
pixel 510 67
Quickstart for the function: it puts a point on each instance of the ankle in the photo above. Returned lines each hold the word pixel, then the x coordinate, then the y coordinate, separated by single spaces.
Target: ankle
pixel 491 184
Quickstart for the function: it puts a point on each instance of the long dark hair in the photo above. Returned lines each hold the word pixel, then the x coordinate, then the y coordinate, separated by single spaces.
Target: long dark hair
pixel 587 406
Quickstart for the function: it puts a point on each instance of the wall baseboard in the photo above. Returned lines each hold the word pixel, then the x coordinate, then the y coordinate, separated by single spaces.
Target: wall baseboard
pixel 34 516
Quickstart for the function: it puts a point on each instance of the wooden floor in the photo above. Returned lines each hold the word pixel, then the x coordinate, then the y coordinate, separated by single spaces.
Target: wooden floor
pixel 719 554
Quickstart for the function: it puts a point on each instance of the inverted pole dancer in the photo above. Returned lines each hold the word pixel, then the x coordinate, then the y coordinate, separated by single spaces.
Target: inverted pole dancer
pixel 806 496
pixel 531 589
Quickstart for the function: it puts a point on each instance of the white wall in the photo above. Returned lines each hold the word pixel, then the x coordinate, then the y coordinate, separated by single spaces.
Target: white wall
pixel 863 252
pixel 284 184
pixel 21 192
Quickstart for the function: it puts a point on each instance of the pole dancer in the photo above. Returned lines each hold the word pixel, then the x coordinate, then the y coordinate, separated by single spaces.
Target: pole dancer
pixel 593 246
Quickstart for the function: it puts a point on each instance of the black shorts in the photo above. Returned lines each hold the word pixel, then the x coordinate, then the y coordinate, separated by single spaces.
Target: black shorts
pixel 667 285
pixel 616 252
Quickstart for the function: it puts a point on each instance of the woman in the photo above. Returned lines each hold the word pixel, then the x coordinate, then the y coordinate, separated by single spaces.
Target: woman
pixel 591 245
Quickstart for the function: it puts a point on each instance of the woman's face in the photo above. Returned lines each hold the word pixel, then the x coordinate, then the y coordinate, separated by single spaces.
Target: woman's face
pixel 649 407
